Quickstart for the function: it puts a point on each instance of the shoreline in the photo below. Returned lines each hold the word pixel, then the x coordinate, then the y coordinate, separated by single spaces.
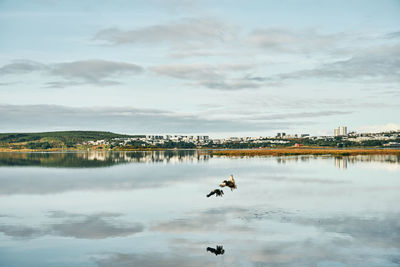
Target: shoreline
pixel 241 152
pixel 307 151
pixel 52 150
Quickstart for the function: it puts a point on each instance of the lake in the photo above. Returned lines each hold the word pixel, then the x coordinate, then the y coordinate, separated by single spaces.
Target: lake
pixel 150 209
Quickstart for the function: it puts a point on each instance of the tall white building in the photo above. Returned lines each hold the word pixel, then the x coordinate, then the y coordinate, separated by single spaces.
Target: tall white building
pixel 336 132
pixel 342 130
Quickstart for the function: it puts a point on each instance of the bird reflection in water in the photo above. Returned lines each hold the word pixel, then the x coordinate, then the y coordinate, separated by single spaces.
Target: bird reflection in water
pixel 216 192
pixel 217 251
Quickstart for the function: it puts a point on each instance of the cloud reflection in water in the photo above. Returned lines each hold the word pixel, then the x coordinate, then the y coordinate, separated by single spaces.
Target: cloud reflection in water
pixel 150 210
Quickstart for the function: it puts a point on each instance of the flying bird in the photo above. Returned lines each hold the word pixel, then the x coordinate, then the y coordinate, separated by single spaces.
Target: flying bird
pixel 229 183
pixel 218 251
pixel 217 192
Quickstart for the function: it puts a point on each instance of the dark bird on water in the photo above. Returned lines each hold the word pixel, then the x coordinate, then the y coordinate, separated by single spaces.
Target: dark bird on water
pixel 217 192
pixel 218 251
pixel 229 183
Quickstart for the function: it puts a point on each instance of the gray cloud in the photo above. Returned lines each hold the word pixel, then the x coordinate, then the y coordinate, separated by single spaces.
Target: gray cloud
pixel 285 40
pixel 94 226
pixel 348 240
pixel 183 32
pixel 220 77
pixel 153 259
pixel 206 221
pixel 383 230
pixel 393 35
pixel 236 84
pixel 119 119
pixel 92 71
pixel 19 231
pixel 376 64
pixel 22 66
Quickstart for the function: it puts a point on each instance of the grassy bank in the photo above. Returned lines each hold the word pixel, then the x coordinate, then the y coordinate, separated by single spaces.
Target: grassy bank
pixel 306 151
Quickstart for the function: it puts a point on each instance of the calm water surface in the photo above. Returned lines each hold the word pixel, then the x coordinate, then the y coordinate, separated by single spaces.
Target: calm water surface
pixel 150 209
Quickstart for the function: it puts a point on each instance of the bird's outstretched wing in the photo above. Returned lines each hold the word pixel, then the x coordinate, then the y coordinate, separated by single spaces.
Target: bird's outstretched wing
pixel 211 193
pixel 231 179
pixel 212 250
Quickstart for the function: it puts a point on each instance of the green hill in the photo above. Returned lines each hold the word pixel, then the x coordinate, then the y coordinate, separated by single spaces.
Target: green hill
pixel 46 140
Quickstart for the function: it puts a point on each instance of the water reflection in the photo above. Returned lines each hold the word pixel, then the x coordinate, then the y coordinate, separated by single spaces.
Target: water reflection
pixel 83 226
pixel 93 159
pixel 342 162
pixel 289 211
pixel 217 251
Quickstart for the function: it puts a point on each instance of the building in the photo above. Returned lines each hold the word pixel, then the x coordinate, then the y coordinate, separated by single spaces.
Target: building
pixel 340 131
pixel 280 135
pixel 343 130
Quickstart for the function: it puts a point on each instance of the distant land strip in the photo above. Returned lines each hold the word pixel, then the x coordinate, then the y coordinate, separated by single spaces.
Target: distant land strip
pixel 366 143
pixel 306 151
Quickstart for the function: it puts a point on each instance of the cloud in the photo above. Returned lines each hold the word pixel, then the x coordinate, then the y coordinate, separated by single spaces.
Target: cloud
pixel 384 230
pixel 22 66
pixel 19 231
pixel 296 240
pixel 374 64
pixel 206 221
pixel 178 33
pixel 153 259
pixel 220 77
pixel 381 230
pixel 190 72
pixel 94 226
pixel 290 41
pixel 393 35
pixel 93 71
pixel 118 119
pixel 341 104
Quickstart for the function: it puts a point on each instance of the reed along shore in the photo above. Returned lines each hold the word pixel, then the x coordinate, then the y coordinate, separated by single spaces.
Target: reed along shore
pixel 306 151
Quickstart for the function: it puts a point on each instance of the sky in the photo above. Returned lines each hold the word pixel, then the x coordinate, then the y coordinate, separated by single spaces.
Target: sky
pixel 218 68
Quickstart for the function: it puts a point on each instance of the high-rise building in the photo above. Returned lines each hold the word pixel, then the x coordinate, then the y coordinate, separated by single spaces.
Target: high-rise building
pixel 340 131
pixel 336 132
pixel 343 130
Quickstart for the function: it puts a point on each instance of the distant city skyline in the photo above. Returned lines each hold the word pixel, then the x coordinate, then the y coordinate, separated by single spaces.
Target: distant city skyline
pixel 216 68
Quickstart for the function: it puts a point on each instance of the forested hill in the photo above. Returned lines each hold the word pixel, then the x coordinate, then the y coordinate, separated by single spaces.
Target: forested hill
pixel 62 138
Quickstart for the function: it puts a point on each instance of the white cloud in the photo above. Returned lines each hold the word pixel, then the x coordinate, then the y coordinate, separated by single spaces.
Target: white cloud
pixel 178 33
